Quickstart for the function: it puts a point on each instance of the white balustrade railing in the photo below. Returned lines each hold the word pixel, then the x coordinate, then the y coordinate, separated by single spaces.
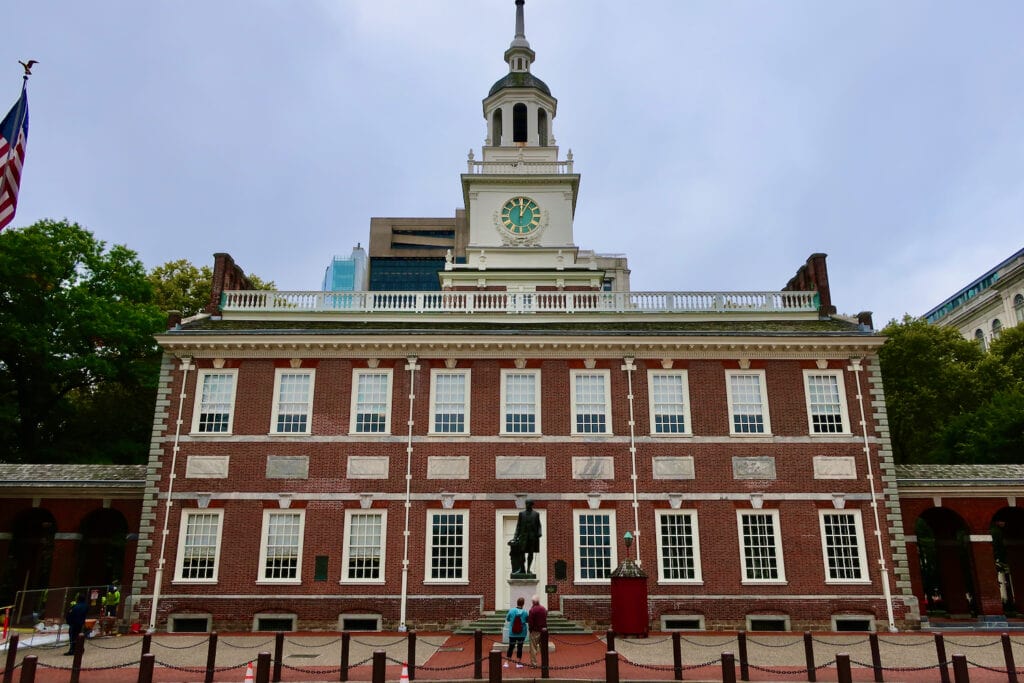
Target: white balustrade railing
pixel 517 302
pixel 524 167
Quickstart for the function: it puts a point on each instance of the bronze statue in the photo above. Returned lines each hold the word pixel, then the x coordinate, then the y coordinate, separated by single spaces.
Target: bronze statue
pixel 525 541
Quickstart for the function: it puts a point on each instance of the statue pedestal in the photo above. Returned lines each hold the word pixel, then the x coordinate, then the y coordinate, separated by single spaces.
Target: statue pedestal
pixel 522 586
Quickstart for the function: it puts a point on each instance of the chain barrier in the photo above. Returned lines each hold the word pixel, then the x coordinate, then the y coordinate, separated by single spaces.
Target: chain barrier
pixel 44 665
pixel 93 643
pixel 312 672
pixel 569 642
pixel 1016 642
pixel 299 644
pixel 788 672
pixel 453 667
pixel 157 643
pixel 395 642
pixel 898 642
pixel 831 644
pixel 951 642
pixel 201 669
pixel 751 641
pixel 722 644
pixel 650 667
pixel 247 646
pixel 643 641
pixel 988 668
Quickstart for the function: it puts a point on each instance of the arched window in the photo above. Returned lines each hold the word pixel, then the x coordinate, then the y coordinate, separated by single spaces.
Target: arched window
pixel 1018 307
pixel 997 327
pixel 979 337
pixel 519 126
pixel 542 127
pixel 496 128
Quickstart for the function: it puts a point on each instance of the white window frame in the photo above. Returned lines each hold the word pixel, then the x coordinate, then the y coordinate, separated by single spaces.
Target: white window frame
pixel 197 408
pixel 613 560
pixel 697 577
pixel 685 414
pixel 763 386
pixel 463 578
pixel 844 412
pixel 777 543
pixel 186 513
pixel 467 402
pixel 347 546
pixel 861 547
pixel 261 576
pixel 606 375
pixel 278 374
pixel 536 402
pixel 354 416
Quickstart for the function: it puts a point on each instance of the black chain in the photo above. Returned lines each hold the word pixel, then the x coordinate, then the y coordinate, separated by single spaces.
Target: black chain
pixel 643 641
pixel 988 668
pixel 826 642
pixel 568 642
pixel 313 672
pixel 134 643
pixel 184 647
pixel 44 665
pixel 751 641
pixel 246 646
pixel 897 643
pixel 453 667
pixel 722 644
pixel 396 642
pixel 299 644
pixel 952 642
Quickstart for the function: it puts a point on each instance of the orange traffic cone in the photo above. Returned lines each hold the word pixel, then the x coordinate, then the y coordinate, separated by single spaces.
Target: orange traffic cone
pixel 249 678
pixel 405 674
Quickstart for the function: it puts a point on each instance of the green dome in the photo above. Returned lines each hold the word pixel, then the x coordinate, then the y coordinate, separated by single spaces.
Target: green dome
pixel 520 79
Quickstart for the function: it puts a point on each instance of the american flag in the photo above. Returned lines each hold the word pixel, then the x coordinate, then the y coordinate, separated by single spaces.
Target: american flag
pixel 13 136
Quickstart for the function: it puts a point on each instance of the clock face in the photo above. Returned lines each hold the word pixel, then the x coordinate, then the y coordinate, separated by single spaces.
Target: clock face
pixel 520 215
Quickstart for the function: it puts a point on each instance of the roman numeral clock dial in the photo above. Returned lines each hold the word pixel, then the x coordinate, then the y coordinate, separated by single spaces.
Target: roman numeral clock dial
pixel 520 216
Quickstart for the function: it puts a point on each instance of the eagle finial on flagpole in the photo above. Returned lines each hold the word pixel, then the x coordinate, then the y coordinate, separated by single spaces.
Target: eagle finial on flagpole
pixel 28 66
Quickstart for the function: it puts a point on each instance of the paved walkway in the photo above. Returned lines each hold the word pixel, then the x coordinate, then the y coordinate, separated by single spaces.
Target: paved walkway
pixel 316 657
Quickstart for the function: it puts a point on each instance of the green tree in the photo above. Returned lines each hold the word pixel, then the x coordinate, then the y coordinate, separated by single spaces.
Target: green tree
pixel 932 375
pixel 77 355
pixel 181 286
pixel 993 433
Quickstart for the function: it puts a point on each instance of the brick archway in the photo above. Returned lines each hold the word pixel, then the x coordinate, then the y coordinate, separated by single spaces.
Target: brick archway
pixel 946 565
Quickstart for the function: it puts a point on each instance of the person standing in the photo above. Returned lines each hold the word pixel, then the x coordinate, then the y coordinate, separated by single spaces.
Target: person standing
pixel 536 621
pixel 76 621
pixel 516 619
pixel 111 600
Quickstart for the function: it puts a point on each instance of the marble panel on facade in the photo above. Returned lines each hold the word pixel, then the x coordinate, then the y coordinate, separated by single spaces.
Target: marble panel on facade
pixel 207 467
pixel 753 467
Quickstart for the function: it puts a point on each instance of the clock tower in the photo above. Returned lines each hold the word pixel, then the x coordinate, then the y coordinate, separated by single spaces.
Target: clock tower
pixel 520 196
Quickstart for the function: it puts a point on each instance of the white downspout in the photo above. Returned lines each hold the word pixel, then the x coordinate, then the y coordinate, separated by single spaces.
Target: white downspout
pixel 883 570
pixel 412 368
pixel 629 368
pixel 186 365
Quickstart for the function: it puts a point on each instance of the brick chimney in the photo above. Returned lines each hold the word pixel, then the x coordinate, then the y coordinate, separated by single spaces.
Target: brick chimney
pixel 227 276
pixel 813 276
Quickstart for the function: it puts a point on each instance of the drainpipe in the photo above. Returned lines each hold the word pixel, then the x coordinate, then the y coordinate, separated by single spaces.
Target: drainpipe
pixel 629 368
pixel 186 365
pixel 855 366
pixel 412 368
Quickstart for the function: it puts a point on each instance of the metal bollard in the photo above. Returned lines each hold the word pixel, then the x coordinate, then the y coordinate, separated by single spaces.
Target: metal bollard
pixel 263 667
pixel 478 654
pixel 343 674
pixel 610 641
pixel 278 655
pixel 379 666
pixel 494 667
pixel 728 668
pixel 76 661
pixel 147 643
pixel 677 656
pixel 146 668
pixel 611 666
pixel 28 669
pixel 12 655
pixel 410 654
pixel 876 657
pixel 960 673
pixel 1011 669
pixel 211 658
pixel 940 652
pixel 545 662
pixel 744 664
pixel 843 668
pixel 812 674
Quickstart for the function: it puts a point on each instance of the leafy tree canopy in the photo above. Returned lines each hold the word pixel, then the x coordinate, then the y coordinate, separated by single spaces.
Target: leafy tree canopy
pixel 181 286
pixel 76 346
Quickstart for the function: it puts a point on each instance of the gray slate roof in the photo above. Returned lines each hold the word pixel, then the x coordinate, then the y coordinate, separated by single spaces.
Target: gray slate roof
pixel 129 476
pixel 962 475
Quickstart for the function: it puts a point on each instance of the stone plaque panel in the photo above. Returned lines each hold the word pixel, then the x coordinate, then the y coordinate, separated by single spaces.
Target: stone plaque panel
pixel 207 467
pixel 287 467
pixel 835 467
pixel 448 467
pixel 755 467
pixel 673 467
pixel 520 467
pixel 368 466
pixel 593 467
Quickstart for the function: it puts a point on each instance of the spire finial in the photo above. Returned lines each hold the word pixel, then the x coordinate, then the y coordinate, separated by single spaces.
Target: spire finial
pixel 520 22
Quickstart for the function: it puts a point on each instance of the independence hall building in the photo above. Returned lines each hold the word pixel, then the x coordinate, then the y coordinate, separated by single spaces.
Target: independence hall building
pixel 327 460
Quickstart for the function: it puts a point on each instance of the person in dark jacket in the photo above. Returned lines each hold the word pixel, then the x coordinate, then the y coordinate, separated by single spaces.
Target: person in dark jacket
pixel 537 620
pixel 76 621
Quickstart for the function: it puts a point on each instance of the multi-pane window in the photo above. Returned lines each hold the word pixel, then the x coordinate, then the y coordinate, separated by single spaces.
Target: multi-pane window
pixel 590 404
pixel 363 556
pixel 826 402
pixel 520 391
pixel 760 550
pixel 1018 307
pixel 670 409
pixel 281 552
pixel 842 543
pixel 446 543
pixel 449 400
pixel 199 545
pixel 678 546
pixel 371 402
pixel 595 545
pixel 216 398
pixel 293 391
pixel 748 403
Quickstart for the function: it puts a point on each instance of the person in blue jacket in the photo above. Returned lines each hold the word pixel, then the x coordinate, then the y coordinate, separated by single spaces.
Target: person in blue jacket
pixel 76 621
pixel 517 632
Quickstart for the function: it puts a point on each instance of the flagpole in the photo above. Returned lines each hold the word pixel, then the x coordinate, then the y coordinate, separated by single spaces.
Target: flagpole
pixel 19 121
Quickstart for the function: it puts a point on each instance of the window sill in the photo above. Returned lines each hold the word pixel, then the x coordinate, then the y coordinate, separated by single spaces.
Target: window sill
pixel 288 435
pixel 850 582
pixel 278 582
pixel 371 434
pixel 204 435
pixel 825 435
pixel 521 435
pixel 764 582
pixel 439 582
pixel 448 435
pixel 751 435
pixel 361 582
pixel 591 435
pixel 674 435
pixel 194 582
pixel 680 582
pixel 592 582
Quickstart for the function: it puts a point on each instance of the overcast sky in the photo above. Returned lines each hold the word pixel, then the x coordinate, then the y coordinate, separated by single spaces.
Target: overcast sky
pixel 720 143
